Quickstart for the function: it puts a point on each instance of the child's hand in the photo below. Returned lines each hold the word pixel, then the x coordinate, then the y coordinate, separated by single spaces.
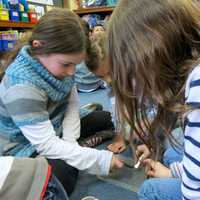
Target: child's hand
pixel 156 169
pixel 142 150
pixel 118 146
pixel 116 163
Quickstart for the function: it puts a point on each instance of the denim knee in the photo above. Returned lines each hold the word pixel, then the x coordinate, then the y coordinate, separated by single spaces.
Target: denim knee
pixel 160 188
pixel 146 189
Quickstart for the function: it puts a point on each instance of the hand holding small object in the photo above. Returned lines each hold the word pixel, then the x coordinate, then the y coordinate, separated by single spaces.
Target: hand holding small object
pixel 156 169
pixel 141 158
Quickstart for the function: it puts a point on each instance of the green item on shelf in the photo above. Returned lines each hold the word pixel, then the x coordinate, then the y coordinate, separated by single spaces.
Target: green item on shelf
pixel 24 17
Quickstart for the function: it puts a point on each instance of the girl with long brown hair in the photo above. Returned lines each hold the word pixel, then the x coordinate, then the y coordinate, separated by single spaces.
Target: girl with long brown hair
pixel 39 103
pixel 154 49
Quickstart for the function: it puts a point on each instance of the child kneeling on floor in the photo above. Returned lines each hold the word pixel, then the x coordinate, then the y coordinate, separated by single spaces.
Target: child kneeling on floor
pixel 98 64
pixel 39 102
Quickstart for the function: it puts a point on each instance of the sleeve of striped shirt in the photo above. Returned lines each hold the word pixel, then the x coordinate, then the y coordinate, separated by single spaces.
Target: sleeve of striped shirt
pixel 26 104
pixel 191 159
pixel 176 169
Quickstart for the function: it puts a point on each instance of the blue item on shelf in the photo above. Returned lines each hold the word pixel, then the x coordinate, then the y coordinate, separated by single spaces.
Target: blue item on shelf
pixel 5 4
pixel 1 47
pixel 93 21
pixel 112 2
pixel 7 44
pixel 89 3
pixel 8 39
pixel 13 4
pixel 14 15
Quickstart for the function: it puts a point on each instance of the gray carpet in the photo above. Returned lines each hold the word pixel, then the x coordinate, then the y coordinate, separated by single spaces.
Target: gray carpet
pixel 103 190
pixel 122 184
pixel 127 178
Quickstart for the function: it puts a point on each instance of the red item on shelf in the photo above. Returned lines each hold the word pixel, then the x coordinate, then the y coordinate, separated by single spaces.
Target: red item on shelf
pixel 33 17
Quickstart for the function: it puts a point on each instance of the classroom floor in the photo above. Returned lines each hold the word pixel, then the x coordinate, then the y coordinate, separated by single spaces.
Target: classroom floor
pixel 122 184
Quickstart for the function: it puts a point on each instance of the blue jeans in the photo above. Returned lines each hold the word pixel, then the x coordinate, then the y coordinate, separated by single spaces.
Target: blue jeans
pixel 160 189
pixel 163 188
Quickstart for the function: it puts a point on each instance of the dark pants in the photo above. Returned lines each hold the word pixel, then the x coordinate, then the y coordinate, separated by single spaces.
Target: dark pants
pixel 94 122
pixel 66 174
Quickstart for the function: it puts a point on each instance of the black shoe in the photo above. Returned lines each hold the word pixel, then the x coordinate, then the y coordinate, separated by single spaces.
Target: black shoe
pixel 97 138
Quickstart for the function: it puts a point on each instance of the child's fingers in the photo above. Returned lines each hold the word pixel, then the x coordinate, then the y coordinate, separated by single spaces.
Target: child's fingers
pixel 116 163
pixel 137 153
pixel 142 149
pixel 112 148
pixel 150 173
pixel 122 148
pixel 116 147
pixel 149 162
pixel 146 165
pixel 119 164
pixel 146 169
pixel 149 169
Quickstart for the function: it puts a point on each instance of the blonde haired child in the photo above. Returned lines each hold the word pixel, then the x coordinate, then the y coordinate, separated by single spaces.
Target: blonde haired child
pixel 97 62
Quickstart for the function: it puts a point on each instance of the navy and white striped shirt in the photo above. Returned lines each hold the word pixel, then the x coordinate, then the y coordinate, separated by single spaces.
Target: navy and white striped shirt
pixel 189 168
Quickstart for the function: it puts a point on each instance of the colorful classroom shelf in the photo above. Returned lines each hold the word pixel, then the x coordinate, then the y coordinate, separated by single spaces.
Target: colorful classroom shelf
pixel 12 24
pixel 91 10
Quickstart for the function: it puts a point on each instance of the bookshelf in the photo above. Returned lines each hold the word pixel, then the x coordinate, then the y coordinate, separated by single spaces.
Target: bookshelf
pixel 12 24
pixel 91 10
